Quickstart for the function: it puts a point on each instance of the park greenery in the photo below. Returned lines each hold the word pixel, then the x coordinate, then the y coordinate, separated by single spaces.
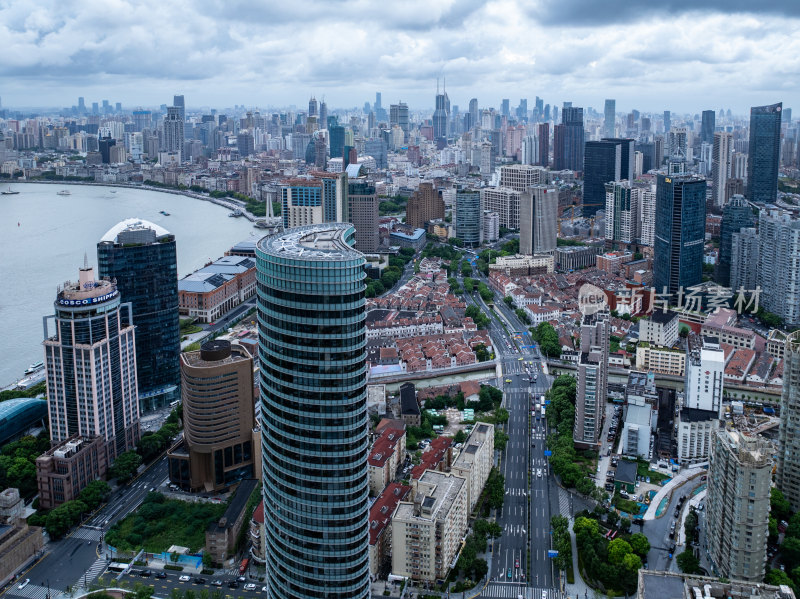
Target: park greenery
pixel 572 467
pixel 392 205
pixel 391 274
pixel 546 336
pixel 160 523
pixel 469 564
pixel 188 326
pixel 444 251
pixel 18 463
pixel 561 542
pixel 612 565
pixel 152 444
pixel 34 391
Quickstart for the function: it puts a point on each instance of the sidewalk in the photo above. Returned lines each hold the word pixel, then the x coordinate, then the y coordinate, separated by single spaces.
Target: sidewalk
pixel 579 588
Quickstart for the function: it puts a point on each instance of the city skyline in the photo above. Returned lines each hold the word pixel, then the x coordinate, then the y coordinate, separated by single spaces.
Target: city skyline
pixel 237 56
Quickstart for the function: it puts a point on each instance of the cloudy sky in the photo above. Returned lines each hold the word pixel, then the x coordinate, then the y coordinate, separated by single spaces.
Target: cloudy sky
pixel 682 55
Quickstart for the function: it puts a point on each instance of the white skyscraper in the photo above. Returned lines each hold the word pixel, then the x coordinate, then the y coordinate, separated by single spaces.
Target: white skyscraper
pixel 538 211
pixel 721 167
pixel 705 370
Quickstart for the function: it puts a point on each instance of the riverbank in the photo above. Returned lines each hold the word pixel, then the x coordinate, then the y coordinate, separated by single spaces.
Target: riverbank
pixel 230 204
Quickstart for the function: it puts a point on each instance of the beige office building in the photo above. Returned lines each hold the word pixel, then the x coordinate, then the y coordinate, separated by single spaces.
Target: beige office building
pixel 475 461
pixel 218 416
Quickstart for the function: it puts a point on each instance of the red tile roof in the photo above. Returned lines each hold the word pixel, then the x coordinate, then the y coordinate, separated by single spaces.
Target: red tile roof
pixel 258 513
pixel 380 514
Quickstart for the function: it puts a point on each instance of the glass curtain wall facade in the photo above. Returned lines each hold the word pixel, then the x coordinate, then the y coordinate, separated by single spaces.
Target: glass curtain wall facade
pixel 468 217
pixel 142 258
pixel 764 153
pixel 312 338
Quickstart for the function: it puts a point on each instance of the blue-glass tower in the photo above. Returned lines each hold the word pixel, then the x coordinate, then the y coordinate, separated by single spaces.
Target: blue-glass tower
pixel 312 338
pixel 680 229
pixel 468 217
pixel 141 256
pixel 736 215
pixel 764 153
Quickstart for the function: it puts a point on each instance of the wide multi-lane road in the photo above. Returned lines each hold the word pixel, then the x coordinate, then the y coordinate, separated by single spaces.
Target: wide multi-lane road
pixel 520 565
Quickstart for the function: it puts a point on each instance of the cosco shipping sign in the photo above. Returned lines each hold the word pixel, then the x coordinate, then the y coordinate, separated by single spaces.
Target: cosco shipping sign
pixel 88 301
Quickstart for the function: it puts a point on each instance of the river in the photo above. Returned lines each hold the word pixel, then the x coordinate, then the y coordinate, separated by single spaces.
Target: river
pixel 44 236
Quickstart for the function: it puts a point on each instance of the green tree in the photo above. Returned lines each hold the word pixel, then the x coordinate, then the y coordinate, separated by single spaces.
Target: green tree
pixel 778 577
pixel 460 437
pixel 469 285
pixel 480 568
pixel 617 550
pixel 790 552
pixel 639 544
pixel 585 486
pixel 631 562
pixel 508 300
pixel 688 563
pixel 175 594
pixel 125 466
pixel 95 493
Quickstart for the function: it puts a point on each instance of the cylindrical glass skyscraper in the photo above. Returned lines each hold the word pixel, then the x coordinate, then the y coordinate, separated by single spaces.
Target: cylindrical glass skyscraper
pixel 312 338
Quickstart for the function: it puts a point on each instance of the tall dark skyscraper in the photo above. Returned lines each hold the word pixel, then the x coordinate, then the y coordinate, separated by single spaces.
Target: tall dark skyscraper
pixel 604 161
pixel 313 109
pixel 667 122
pixel 337 141
pixel 736 215
pixel 441 114
pixel 141 256
pixel 764 153
pixel 601 165
pixel 313 413
pixel 707 126
pixel 568 140
pixel 679 233
pixel 505 107
pixel 544 144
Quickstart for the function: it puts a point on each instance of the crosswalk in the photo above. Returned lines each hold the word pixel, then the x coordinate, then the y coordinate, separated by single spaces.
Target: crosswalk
pixel 31 591
pixel 509 590
pixel 89 534
pixel 97 568
pixel 563 501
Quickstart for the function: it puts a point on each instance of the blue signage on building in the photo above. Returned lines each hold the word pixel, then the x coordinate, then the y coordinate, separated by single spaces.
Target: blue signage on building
pixel 87 301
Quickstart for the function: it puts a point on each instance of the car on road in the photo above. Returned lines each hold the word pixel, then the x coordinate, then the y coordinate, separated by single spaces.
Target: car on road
pixel 233 584
pixel 25 582
pixel 508 380
pixel 145 573
pixel 519 359
pixel 249 587
pixel 184 578
pixel 538 473
pixel 264 589
pixel 161 574
pixel 217 582
pixel 516 563
pixel 199 580
pixel 508 573
pixel 241 579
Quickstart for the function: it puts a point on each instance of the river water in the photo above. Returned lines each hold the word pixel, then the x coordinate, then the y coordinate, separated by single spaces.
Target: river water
pixel 43 238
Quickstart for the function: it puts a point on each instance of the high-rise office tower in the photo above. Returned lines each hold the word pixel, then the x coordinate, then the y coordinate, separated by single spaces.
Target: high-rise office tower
pixel 81 105
pixel 647 215
pixel 468 217
pixel 667 122
pixel 313 109
pixel 398 115
pixel 788 475
pixel 424 205
pixel 610 114
pixel 141 257
pixel 473 113
pixel 601 165
pixel 721 167
pixel 505 107
pixel 313 413
pixel 778 265
pixel 592 380
pixel 680 229
pixel 538 211
pixel 245 144
pixel 568 140
pixel 764 153
pixel 522 110
pixel 736 215
pixel 312 200
pixel 178 102
pixel 90 361
pixel 707 126
pixel 441 114
pixel 622 212
pixel 544 144
pixel 142 119
pixel 337 141
pixel 323 115
pixel 738 500
pixel 218 418
pixel 173 131
pixel 363 211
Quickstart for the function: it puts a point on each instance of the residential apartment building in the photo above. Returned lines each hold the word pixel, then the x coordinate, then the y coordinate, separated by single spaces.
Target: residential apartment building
pixel 362 210
pixel 424 205
pixel 387 453
pixel 640 399
pixel 705 370
pixel 696 429
pixel 505 202
pixel 660 328
pixel 744 259
pixel 217 288
pixel 592 380
pixel 427 531
pixel 475 461
pixel 523 265
pixel 64 470
pixel 788 476
pixel 738 500
pixel 538 220
pixel 661 360
pixel 490 226
pixel 778 268
pixel 521 176
pixel 380 528
pixel 721 325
